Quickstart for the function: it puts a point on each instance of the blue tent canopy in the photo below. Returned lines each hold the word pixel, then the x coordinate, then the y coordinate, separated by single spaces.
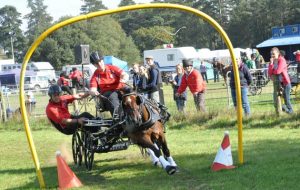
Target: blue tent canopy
pixel 280 42
pixel 111 60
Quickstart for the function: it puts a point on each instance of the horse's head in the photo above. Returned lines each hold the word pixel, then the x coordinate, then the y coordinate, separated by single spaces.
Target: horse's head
pixel 132 108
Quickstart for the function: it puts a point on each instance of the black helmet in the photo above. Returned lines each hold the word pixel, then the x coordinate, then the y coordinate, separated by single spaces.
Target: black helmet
pixel 54 89
pixel 95 57
pixel 187 62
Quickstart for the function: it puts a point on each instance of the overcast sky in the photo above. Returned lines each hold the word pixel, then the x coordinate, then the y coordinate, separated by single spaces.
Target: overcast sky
pixel 58 8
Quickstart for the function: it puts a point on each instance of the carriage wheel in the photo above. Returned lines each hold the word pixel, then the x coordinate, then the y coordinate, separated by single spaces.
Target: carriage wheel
pixel 88 152
pixel 253 90
pixel 258 90
pixel 77 149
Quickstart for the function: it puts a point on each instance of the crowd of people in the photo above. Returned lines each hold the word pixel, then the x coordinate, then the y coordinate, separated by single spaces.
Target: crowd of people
pixel 107 80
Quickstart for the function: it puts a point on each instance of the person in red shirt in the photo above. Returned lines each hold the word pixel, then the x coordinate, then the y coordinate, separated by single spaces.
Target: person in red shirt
pixel 63 82
pixel 193 79
pixel 278 72
pixel 107 80
pixel 76 77
pixel 58 113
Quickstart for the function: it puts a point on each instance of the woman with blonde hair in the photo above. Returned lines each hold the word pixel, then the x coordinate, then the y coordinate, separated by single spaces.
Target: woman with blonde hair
pixel 180 100
pixel 144 77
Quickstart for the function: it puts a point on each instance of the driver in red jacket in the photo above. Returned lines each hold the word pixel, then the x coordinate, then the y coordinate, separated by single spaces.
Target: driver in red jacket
pixel 58 113
pixel 107 80
pixel 193 79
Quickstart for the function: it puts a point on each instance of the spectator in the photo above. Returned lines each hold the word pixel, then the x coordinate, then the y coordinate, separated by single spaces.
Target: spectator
pixel 180 100
pixel 249 62
pixel 144 76
pixel 245 81
pixel 297 59
pixel 203 70
pixel 194 81
pixel 30 102
pixel 76 77
pixel 155 80
pixel 259 60
pixel 278 73
pixel 107 80
pixel 135 76
pixel 252 60
pixel 58 113
pixel 63 82
pixel 215 69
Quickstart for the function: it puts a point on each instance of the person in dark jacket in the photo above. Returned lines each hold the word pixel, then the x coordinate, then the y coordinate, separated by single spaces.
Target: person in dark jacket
pixel 245 81
pixel 154 79
pixel 135 76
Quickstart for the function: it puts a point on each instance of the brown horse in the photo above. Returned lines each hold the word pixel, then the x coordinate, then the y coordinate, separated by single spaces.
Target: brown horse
pixel 145 128
pixel 223 69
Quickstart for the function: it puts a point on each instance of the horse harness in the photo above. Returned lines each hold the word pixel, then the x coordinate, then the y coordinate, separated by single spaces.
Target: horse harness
pixel 151 108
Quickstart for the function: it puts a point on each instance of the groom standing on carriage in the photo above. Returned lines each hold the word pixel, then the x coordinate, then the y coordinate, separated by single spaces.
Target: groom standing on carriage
pixel 107 80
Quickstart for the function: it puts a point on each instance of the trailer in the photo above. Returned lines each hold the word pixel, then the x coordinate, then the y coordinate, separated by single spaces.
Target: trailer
pixel 167 59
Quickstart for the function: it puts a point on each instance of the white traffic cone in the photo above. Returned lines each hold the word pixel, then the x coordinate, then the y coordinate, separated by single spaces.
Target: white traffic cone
pixel 223 158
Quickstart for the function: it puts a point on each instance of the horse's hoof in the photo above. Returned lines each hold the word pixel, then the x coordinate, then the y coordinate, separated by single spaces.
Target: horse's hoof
pixel 171 169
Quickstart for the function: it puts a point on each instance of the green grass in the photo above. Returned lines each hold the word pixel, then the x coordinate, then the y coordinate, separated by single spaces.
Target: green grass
pixel 271 151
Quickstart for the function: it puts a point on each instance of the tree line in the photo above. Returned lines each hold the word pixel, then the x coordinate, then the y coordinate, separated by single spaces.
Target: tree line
pixel 126 35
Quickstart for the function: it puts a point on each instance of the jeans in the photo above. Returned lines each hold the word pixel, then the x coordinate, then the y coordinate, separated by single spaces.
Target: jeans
pixel 180 104
pixel 287 107
pixel 216 75
pixel 204 76
pixel 245 102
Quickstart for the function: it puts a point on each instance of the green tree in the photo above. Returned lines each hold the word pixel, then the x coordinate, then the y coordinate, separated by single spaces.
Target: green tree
pixel 38 19
pixel 92 6
pixel 10 24
pixel 153 37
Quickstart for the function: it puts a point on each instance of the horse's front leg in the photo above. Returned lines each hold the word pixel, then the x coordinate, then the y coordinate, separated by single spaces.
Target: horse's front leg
pixel 166 151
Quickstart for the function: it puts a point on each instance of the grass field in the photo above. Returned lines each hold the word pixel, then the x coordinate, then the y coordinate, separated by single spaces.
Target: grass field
pixel 271 154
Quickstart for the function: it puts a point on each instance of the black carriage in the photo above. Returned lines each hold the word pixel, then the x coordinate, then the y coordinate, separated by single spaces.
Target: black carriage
pixel 259 80
pixel 99 135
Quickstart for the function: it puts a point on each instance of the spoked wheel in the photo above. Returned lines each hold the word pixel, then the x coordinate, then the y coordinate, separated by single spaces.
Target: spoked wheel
pixel 253 90
pixel 258 90
pixel 77 148
pixel 88 152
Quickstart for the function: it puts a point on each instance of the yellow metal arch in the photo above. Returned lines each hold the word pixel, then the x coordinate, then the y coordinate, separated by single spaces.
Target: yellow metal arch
pixel 57 26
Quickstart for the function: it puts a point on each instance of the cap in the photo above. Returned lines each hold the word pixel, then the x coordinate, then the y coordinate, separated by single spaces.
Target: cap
pixel 95 57
pixel 149 57
pixel 187 62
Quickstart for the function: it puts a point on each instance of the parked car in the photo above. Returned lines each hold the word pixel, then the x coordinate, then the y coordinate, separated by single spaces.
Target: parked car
pixel 36 82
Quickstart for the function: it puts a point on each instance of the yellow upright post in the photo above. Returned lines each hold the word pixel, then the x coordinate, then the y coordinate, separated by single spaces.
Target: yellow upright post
pixel 57 26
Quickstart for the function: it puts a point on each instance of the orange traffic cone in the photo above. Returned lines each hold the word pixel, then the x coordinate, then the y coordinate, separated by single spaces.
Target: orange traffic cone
pixel 66 177
pixel 223 158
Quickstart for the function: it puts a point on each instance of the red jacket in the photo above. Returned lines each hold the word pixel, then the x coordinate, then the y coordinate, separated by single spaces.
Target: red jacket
pixel 59 111
pixel 194 81
pixel 280 70
pixel 108 80
pixel 297 54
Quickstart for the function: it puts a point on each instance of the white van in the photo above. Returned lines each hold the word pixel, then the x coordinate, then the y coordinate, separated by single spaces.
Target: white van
pixel 36 82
